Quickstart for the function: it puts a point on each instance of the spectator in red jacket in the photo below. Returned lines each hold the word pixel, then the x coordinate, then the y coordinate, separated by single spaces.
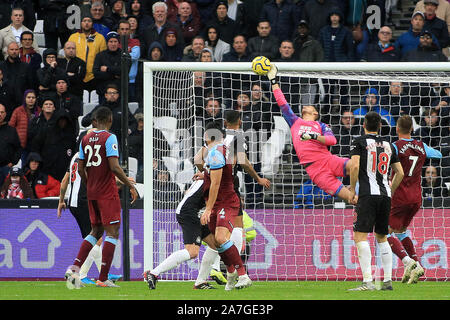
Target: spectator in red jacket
pixel 42 184
pixel 21 118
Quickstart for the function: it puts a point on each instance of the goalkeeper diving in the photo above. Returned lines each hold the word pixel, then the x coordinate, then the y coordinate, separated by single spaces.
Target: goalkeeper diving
pixel 311 139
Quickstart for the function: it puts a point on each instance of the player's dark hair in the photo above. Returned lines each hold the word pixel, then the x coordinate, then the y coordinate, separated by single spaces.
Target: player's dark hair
pixel 232 116
pixel 372 121
pixel 214 130
pixel 405 124
pixel 102 115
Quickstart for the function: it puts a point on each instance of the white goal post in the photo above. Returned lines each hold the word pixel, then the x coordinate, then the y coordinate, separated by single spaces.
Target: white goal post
pixel 337 260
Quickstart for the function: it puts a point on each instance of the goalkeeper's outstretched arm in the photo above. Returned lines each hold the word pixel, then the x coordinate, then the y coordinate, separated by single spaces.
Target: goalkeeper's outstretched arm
pixel 286 110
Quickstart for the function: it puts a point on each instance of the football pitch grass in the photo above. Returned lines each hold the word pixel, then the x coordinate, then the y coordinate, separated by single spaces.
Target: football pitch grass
pixel 260 290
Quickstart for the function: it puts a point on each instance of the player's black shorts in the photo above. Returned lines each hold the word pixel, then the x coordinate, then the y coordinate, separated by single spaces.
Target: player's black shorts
pixel 188 215
pixel 81 215
pixel 372 214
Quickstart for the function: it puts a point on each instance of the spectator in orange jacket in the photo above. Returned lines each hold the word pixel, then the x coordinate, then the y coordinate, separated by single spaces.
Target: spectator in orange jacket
pixel 22 116
pixel 43 184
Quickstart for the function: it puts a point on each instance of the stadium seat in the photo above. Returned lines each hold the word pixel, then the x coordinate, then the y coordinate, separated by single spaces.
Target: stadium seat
pixel 171 164
pixel 132 167
pixel 140 189
pixel 168 126
pixel 39 27
pixel 240 175
pixel 85 96
pixel 94 97
pixel 40 39
pixel 282 125
pixel 271 152
pixel 88 107
pixel 133 106
pixel 185 176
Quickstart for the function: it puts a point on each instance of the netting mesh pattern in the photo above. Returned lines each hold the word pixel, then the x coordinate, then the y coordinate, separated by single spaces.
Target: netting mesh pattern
pixel 303 233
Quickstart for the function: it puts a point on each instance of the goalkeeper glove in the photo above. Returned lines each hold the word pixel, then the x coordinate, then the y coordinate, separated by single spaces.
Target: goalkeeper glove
pixel 272 74
pixel 309 136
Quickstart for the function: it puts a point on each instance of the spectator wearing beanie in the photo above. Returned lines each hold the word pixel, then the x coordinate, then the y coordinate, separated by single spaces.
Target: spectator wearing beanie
pixel 56 145
pixel 136 10
pixel 46 75
pixel 107 65
pixel 42 184
pixel 227 28
pixel 173 51
pixel 16 186
pixel 64 100
pixel 88 44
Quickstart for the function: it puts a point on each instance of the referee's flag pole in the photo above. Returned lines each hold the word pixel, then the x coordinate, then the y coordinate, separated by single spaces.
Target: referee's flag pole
pixel 124 79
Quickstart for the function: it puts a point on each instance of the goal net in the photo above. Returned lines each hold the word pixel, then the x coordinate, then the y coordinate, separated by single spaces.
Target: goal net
pixel 302 233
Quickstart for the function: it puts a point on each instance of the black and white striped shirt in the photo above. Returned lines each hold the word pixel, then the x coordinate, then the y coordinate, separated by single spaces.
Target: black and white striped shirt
pixel 77 188
pixel 376 156
pixel 235 143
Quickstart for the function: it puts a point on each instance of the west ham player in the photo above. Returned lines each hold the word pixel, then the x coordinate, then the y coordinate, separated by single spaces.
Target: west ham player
pixel 78 206
pixel 237 147
pixel 372 156
pixel 98 166
pixel 222 205
pixel 408 198
pixel 311 139
pixel 193 234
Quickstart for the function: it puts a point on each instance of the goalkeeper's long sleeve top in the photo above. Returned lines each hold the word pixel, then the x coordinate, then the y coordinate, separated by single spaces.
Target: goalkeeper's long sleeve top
pixel 310 150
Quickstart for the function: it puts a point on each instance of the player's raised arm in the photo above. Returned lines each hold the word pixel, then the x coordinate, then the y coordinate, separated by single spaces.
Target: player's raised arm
pixel 248 168
pixel 199 158
pixel 286 110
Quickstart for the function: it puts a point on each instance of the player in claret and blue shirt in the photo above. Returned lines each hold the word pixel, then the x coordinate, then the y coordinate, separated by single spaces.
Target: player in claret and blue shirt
pixel 407 200
pixel 222 205
pixel 98 165
pixel 311 139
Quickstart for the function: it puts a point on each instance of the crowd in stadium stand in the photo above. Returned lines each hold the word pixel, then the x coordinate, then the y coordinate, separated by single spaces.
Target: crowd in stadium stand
pixel 42 88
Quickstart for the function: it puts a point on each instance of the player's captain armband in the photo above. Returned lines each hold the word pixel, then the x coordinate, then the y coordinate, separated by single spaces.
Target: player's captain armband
pixel 279 96
pixel 215 160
